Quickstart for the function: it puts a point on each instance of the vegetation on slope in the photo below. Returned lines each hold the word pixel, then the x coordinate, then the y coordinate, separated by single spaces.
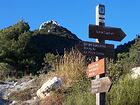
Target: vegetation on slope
pixel 24 51
pixel 77 87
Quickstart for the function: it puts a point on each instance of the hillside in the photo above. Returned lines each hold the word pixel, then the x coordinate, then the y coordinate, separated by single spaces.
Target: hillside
pixel 76 86
pixel 54 39
pixel 125 47
pixel 23 51
pixel 49 49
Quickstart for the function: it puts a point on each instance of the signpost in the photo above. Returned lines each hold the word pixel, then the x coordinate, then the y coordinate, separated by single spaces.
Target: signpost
pixel 106 33
pixel 100 85
pixel 96 49
pixel 101 50
pixel 96 68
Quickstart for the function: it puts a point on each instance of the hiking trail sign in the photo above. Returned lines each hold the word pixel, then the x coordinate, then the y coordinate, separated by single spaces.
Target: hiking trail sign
pixel 101 85
pixel 96 68
pixel 106 33
pixel 96 49
pixel 100 50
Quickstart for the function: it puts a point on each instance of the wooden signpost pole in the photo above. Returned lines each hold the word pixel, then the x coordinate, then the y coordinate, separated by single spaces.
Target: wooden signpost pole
pixel 100 12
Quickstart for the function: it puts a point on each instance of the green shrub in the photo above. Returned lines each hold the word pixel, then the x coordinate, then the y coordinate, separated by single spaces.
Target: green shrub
pixel 50 61
pixel 5 70
pixel 80 94
pixel 125 92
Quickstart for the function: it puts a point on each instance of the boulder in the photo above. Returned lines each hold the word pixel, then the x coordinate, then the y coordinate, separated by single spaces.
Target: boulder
pixel 135 72
pixel 51 85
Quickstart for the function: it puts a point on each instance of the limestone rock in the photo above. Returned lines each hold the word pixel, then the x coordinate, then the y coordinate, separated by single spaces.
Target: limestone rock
pixel 52 84
pixel 135 72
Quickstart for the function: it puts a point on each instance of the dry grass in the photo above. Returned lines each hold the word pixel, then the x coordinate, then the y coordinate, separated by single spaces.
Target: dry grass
pixel 22 95
pixel 70 68
pixel 55 99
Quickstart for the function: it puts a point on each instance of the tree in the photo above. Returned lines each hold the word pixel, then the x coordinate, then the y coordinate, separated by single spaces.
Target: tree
pixel 13 42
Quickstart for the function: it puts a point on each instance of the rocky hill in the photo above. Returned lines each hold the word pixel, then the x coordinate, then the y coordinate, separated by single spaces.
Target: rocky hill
pixel 50 38
pixel 53 38
pixel 22 51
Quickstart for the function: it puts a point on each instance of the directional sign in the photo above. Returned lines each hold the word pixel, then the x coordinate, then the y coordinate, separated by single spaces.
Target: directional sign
pixel 100 85
pixel 106 33
pixel 96 49
pixel 96 68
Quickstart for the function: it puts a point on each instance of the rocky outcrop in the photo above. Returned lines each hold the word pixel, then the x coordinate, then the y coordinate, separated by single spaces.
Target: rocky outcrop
pixel 9 90
pixel 24 91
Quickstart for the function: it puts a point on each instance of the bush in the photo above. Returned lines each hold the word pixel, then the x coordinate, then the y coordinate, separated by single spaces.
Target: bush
pixel 80 94
pixel 50 61
pixel 125 92
pixel 5 70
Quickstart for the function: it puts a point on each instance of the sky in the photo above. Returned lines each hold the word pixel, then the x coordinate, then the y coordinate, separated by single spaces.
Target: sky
pixel 75 15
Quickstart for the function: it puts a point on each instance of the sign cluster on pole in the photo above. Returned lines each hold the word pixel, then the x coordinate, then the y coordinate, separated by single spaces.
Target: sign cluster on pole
pixel 101 84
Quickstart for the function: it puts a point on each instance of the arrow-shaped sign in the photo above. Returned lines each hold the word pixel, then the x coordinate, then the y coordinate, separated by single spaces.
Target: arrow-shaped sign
pixel 106 33
pixel 100 85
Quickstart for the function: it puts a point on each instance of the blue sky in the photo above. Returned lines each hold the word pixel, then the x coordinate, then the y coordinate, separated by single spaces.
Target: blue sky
pixel 75 15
